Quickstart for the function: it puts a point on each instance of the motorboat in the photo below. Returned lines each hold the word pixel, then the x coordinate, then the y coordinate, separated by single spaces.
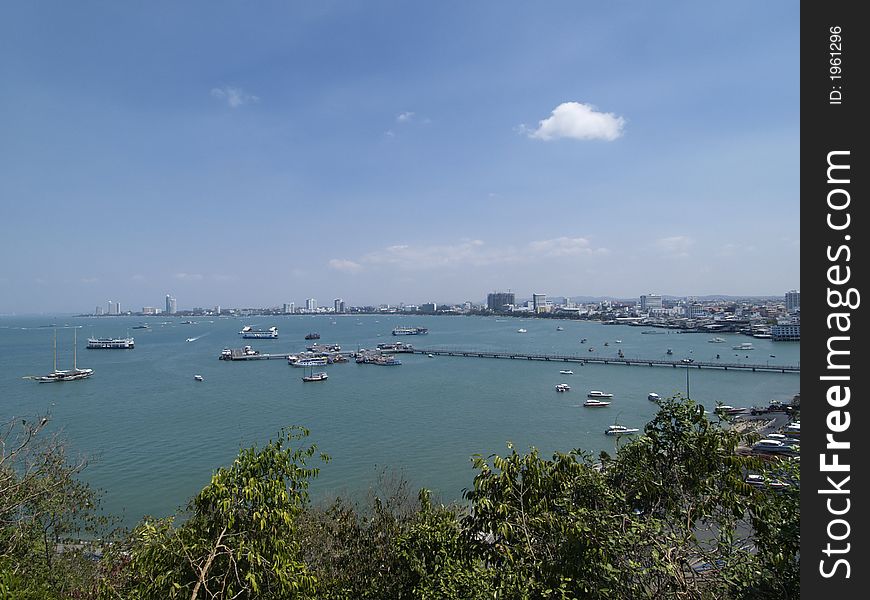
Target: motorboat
pixel 562 387
pixel 598 394
pixel 596 403
pixel 583 341
pixel 669 352
pixel 744 346
pixel 560 328
pixel 620 430
pixel 431 355
pixel 198 377
pixel 772 446
pixel 522 330
pixel 566 372
pixel 717 340
pixel 653 397
pixel 312 336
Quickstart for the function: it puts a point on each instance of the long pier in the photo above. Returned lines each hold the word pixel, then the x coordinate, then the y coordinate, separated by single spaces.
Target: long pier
pixel 599 360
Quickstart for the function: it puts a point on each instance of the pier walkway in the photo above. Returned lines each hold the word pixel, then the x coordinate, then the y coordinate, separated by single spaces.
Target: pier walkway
pixel 599 360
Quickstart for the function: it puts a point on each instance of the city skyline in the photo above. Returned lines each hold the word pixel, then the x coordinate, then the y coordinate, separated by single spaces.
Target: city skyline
pixel 269 154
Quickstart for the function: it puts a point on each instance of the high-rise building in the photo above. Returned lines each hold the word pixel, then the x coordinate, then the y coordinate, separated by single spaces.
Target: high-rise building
pixel 428 307
pixel 650 302
pixel 310 304
pixel 149 310
pixel 114 308
pixel 500 301
pixel 539 303
pixel 792 300
pixel 98 311
pixel 288 308
pixel 171 306
pixel 337 305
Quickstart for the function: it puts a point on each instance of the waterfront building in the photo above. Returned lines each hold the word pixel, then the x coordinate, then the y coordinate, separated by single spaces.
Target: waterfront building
pixel 500 301
pixel 149 310
pixel 650 302
pixel 171 305
pixel 429 307
pixel 217 309
pixel 338 305
pixel 98 311
pixel 792 300
pixel 788 332
pixel 114 308
pixel 288 308
pixel 539 303
pixel 310 304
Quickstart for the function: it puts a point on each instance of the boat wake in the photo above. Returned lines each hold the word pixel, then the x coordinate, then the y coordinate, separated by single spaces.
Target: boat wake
pixel 193 339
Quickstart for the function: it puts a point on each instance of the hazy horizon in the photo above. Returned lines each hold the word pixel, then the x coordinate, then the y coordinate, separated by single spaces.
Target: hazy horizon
pixel 252 155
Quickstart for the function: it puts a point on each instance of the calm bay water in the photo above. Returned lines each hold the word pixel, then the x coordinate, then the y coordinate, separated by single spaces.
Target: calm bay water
pixel 154 435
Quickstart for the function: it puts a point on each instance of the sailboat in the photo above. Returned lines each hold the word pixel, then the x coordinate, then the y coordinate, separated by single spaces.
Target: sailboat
pixel 69 375
pixel 312 376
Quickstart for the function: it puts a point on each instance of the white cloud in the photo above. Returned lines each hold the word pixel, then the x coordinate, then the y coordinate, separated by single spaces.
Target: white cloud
pixel 404 117
pixel 578 121
pixel 474 253
pixel 676 246
pixel 347 266
pixel 565 246
pixel 189 276
pixel 235 97
pixel 137 277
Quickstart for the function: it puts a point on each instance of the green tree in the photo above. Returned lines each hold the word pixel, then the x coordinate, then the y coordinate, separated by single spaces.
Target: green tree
pixel 239 540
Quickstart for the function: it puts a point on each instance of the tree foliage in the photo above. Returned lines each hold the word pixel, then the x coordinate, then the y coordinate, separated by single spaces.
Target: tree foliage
pixel 668 516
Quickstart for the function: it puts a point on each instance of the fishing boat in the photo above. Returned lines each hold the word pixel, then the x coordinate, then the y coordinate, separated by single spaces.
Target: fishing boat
pixel 73 374
pixel 312 336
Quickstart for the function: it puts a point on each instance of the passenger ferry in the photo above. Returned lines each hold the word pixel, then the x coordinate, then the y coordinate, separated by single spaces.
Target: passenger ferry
pixel 396 347
pixel 312 361
pixel 258 334
pixel 596 403
pixel 410 331
pixel 111 343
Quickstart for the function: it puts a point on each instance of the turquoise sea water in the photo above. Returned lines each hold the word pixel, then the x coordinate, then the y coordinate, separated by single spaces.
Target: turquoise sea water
pixel 153 435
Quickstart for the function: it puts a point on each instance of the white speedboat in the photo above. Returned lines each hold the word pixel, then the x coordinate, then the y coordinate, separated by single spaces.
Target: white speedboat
pixel 599 394
pixel 744 346
pixel 596 403
pixel 560 328
pixel 653 397
pixel 620 430
pixel 198 377
pixel 562 387
pixel 566 372
pixel 522 330
pixel 717 340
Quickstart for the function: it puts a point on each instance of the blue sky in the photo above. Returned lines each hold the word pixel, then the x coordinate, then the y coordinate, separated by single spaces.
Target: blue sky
pixel 255 153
